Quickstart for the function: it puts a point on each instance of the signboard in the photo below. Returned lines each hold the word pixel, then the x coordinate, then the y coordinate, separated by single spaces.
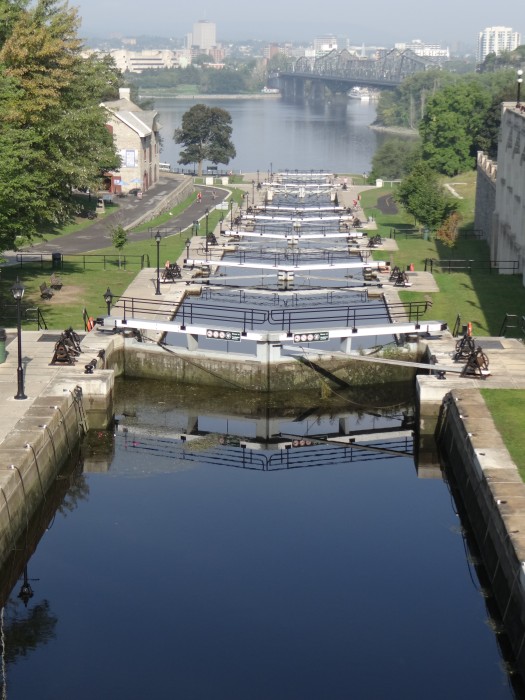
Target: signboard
pixel 311 337
pixel 223 335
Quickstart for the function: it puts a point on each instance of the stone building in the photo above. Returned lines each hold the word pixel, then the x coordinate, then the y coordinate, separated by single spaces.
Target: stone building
pixel 508 232
pixel 136 134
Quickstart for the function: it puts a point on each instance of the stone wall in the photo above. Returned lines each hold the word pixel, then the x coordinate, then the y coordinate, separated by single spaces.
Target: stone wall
pixel 490 488
pixel 485 195
pixel 508 240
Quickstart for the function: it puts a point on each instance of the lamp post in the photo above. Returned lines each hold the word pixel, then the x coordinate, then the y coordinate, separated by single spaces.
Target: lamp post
pixel 188 243
pixel 253 192
pixel 519 81
pixel 206 245
pixel 17 290
pixel 158 239
pixel 247 198
pixel 231 213
pixel 108 298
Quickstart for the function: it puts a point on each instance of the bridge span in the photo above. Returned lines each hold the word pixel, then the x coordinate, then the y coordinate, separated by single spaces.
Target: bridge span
pixel 339 71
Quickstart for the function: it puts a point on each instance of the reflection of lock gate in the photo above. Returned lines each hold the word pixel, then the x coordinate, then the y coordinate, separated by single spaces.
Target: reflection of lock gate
pixel 285 279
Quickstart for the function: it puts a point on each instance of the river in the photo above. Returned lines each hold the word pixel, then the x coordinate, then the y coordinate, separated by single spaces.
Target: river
pixel 272 134
pixel 218 546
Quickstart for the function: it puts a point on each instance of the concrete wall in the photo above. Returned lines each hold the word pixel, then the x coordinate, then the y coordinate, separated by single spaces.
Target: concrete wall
pixel 30 458
pixel 490 487
pixel 243 372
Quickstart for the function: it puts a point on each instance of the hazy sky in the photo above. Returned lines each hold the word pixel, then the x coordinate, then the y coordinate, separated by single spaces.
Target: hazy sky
pixel 445 21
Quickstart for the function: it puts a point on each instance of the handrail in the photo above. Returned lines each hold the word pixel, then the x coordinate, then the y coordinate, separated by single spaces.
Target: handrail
pixel 462 264
pixel 347 315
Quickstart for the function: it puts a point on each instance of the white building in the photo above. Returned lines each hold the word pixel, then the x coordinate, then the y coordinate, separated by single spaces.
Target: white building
pixel 495 40
pixel 204 35
pixel 421 49
pixel 324 44
pixel 137 61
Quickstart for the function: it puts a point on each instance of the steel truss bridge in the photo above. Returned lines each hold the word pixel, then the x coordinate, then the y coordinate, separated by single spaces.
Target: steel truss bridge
pixel 339 71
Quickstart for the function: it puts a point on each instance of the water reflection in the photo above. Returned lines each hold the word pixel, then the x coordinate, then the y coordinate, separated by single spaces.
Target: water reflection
pixel 343 579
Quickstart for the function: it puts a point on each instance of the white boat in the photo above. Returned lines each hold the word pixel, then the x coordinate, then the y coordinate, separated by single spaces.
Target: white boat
pixel 362 93
pixel 270 91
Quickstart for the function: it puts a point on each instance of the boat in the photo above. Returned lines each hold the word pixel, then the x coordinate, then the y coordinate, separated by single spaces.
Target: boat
pixel 270 91
pixel 362 93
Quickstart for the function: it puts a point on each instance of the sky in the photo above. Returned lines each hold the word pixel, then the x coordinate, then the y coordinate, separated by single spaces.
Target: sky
pixel 445 22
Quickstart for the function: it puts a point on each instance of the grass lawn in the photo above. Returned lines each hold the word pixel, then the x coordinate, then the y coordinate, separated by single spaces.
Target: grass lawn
pixel 84 287
pixel 507 407
pixel 481 298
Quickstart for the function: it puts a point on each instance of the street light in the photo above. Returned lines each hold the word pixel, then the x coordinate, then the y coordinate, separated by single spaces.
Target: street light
pixel 108 298
pixel 158 239
pixel 188 243
pixel 253 192
pixel 206 245
pixel 519 81
pixel 247 198
pixel 231 213
pixel 17 290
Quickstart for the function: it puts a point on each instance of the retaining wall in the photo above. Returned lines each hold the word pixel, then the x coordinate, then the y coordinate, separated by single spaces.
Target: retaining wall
pixel 316 373
pixel 492 492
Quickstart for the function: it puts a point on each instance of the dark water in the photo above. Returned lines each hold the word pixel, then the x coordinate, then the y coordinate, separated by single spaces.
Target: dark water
pixel 181 576
pixel 274 134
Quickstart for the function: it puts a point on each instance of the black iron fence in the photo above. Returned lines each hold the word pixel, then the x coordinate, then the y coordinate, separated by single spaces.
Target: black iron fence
pixel 462 265
pixel 513 322
pixel 29 315
pixel 87 260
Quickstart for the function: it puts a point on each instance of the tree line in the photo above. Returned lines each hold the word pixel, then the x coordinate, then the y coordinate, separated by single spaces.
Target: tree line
pixel 52 131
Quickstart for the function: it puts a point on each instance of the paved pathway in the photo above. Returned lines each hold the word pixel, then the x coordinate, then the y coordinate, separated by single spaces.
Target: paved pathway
pixel 130 210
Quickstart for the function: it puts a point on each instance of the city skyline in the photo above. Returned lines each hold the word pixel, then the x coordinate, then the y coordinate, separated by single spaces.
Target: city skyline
pixel 405 20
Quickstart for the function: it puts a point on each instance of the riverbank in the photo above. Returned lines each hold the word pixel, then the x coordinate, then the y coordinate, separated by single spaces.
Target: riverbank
pixel 151 95
pixel 397 130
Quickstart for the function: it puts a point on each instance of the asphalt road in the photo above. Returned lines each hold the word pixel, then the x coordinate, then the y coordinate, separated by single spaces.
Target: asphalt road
pixel 98 234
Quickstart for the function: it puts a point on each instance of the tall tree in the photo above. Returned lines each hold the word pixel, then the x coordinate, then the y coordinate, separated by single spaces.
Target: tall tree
pixel 52 132
pixel 206 135
pixel 454 118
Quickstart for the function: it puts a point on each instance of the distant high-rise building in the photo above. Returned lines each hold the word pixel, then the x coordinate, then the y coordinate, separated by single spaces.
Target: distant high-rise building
pixel 495 40
pixel 204 35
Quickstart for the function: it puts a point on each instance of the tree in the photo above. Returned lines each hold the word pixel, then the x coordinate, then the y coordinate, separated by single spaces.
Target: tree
pixel 395 158
pixel 119 238
pixel 52 133
pixel 206 135
pixel 422 196
pixel 454 118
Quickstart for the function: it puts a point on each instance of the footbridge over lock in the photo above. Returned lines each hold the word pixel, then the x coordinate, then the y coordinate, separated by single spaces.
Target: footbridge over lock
pixel 339 71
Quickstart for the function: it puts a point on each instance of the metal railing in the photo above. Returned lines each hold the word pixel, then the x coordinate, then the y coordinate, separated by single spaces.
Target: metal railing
pixel 512 321
pixel 59 260
pixel 464 265
pixel 348 316
pixel 29 314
